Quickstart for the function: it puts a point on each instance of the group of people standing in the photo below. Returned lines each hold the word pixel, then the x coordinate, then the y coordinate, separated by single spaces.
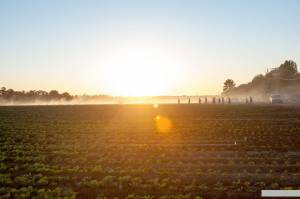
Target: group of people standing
pixel 219 100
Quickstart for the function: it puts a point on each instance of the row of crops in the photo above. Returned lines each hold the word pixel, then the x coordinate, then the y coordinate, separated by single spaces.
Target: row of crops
pixel 118 151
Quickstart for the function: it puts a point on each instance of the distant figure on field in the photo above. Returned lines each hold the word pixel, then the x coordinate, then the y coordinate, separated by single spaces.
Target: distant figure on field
pixel 205 100
pixel 199 100
pixel 178 101
pixel 219 101
pixel 229 100
pixel 189 100
pixel 214 100
pixel 250 99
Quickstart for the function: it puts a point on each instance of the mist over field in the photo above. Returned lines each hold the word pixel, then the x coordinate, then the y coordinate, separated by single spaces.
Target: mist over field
pixel 112 100
pixel 283 80
pixel 149 99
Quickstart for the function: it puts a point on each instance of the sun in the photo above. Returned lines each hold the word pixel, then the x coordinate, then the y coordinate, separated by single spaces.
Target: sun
pixel 141 69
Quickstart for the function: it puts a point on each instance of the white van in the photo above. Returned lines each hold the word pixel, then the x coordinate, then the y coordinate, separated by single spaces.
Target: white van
pixel 276 99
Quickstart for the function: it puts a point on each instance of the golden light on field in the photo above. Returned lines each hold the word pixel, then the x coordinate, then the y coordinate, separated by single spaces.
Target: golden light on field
pixel 155 105
pixel 163 124
pixel 141 69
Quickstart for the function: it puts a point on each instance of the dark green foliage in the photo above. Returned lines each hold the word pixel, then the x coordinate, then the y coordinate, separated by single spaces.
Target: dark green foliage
pixel 111 151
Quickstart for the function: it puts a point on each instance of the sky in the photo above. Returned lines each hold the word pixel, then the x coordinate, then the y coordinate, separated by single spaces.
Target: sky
pixel 139 47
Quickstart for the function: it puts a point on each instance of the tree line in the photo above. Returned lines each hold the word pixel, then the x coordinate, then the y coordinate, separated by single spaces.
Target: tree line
pixel 8 95
pixel 282 79
pixel 32 96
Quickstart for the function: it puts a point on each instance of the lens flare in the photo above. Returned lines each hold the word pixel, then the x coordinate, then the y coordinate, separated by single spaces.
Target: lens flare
pixel 155 105
pixel 163 124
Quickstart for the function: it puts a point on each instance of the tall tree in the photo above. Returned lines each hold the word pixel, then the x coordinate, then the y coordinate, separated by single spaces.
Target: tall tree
pixel 288 69
pixel 2 91
pixel 228 85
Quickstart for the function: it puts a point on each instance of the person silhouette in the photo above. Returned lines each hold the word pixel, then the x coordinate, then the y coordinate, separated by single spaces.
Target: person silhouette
pixel 229 100
pixel 250 98
pixel 214 100
pixel 199 100
pixel 205 100
pixel 189 101
pixel 178 101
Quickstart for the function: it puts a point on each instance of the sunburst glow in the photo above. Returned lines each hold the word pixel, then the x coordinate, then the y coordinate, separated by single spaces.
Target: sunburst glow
pixel 141 69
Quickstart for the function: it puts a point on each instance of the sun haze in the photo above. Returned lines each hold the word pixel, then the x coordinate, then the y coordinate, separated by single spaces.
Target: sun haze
pixel 137 48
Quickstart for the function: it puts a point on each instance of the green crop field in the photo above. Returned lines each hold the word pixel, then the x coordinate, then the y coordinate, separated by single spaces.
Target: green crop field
pixel 139 151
